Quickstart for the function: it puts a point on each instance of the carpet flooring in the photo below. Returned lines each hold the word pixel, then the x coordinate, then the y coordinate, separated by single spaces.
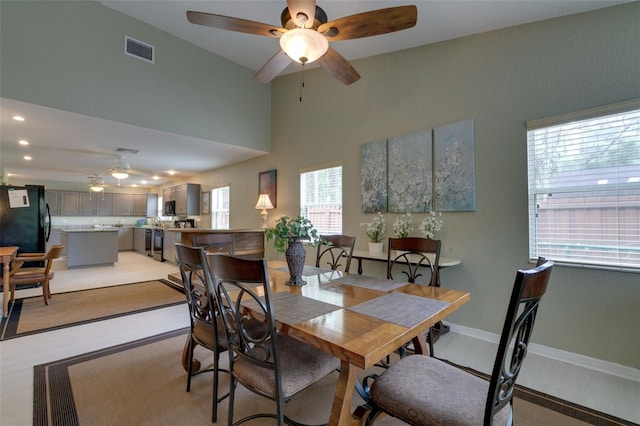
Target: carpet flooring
pixel 31 315
pixel 143 383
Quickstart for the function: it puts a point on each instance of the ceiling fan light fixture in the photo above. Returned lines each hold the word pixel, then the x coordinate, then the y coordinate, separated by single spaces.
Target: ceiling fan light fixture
pixel 96 188
pixel 119 174
pixel 303 45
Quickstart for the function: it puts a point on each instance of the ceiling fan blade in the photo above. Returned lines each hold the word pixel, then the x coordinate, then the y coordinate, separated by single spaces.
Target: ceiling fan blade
pixel 338 67
pixel 305 7
pixel 374 22
pixel 273 67
pixel 234 24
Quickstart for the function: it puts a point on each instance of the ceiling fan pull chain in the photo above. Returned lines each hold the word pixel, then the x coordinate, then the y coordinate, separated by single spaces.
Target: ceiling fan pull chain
pixel 301 84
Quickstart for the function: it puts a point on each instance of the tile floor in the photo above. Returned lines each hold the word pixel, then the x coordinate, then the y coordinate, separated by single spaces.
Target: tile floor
pixel 599 391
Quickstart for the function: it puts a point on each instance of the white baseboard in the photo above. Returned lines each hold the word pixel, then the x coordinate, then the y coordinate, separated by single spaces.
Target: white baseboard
pixel 571 358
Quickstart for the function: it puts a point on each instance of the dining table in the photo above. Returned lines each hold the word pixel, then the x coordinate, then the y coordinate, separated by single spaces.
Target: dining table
pixel 6 255
pixel 357 318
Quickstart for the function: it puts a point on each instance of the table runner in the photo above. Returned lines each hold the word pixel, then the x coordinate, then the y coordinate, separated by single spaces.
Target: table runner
pixel 398 308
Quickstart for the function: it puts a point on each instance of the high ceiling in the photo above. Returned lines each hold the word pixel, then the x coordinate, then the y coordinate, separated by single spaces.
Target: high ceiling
pixel 75 143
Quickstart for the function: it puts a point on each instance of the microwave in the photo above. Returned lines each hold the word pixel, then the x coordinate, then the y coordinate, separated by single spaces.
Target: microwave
pixel 169 208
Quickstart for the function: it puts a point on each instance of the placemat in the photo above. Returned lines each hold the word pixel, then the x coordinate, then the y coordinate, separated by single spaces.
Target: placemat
pixel 373 283
pixel 403 309
pixel 292 308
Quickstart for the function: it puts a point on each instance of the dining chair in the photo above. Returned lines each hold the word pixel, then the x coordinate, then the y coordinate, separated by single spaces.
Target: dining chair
pixel 422 390
pixel 215 243
pixel 410 256
pixel 334 249
pixel 20 274
pixel 206 327
pixel 271 364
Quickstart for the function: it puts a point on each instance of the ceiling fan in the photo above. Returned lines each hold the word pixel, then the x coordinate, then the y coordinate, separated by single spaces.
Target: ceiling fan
pixel 306 32
pixel 119 169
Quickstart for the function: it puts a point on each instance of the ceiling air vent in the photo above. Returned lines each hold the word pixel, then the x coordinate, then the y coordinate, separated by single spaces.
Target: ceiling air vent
pixel 138 49
pixel 127 150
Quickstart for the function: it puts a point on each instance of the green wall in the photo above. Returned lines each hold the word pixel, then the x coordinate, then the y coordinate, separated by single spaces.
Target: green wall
pixel 70 55
pixel 501 79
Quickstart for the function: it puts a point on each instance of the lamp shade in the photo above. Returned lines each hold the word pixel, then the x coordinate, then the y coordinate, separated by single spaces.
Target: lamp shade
pixel 264 202
pixel 304 45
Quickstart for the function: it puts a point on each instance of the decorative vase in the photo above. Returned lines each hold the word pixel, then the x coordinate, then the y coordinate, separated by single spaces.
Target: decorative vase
pixel 295 255
pixel 375 247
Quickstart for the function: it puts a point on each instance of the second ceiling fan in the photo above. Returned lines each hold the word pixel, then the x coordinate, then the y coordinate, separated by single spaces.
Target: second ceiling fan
pixel 306 32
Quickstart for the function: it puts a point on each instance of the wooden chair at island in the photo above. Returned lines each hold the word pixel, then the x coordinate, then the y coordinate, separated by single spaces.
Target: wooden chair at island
pixel 339 249
pixel 21 274
pixel 422 390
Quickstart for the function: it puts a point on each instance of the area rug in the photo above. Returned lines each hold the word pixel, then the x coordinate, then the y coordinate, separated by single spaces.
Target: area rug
pixel 143 383
pixel 30 315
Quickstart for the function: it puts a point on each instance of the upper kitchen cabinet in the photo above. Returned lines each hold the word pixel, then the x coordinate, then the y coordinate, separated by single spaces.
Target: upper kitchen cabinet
pixel 52 199
pixel 186 198
pixel 105 204
pixel 122 204
pixel 144 205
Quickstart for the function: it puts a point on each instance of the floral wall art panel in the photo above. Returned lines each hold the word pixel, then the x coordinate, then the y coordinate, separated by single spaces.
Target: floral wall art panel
pixel 455 167
pixel 410 172
pixel 373 177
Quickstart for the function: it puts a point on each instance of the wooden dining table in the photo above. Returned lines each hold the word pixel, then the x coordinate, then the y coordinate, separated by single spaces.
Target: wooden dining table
pixel 358 319
pixel 6 255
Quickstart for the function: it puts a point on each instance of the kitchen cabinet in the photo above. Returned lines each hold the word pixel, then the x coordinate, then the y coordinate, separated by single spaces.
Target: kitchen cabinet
pixel 55 238
pixel 144 205
pixel 52 198
pixel 86 248
pixel 125 239
pixel 69 203
pixel 142 240
pixel 105 204
pixel 87 203
pixel 121 204
pixel 187 198
pixel 168 246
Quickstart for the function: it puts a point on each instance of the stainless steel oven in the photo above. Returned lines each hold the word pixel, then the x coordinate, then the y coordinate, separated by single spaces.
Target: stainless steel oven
pixel 157 246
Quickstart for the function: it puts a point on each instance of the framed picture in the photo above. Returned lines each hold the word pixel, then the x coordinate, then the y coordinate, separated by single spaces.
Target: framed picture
pixel 267 185
pixel 205 203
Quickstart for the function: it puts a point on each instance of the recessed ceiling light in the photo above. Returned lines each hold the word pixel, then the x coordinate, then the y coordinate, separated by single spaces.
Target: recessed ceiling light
pixel 18 118
pixel 26 157
pixel 171 172
pixel 156 177
pixel 23 142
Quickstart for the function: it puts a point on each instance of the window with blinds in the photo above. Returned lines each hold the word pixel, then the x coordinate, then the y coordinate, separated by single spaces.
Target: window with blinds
pixel 220 208
pixel 321 198
pixel 584 187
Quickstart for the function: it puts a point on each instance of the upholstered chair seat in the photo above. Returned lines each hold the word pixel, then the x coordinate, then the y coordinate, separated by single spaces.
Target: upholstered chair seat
pixel 423 390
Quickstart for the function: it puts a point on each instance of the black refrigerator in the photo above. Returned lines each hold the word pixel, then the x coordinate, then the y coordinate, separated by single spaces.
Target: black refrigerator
pixel 25 220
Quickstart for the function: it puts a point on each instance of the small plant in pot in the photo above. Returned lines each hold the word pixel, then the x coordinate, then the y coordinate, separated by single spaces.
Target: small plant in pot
pixel 288 236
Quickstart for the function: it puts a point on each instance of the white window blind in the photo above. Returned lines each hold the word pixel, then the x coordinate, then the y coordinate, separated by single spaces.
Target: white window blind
pixel 321 198
pixel 220 208
pixel 584 187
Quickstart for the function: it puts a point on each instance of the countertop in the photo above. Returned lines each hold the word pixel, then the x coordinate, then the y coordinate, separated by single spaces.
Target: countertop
pixel 101 229
pixel 211 231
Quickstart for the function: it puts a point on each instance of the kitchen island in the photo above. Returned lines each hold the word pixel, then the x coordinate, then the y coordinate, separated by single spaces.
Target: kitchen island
pixel 241 242
pixel 90 246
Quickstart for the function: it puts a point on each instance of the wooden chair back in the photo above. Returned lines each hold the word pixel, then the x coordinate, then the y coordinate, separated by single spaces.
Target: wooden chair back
pixel 410 254
pixel 338 249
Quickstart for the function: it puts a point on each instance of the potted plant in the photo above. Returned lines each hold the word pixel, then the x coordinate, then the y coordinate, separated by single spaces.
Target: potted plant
pixel 288 235
pixel 431 224
pixel 375 231
pixel 403 225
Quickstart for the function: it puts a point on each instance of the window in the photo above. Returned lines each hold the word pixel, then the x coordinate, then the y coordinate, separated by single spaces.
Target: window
pixel 321 198
pixel 220 208
pixel 584 187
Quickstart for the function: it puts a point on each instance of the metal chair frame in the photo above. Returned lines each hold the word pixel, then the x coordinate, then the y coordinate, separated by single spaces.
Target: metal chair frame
pixel 336 248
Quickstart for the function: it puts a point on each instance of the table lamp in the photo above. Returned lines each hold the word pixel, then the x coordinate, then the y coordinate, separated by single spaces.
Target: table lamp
pixel 264 203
